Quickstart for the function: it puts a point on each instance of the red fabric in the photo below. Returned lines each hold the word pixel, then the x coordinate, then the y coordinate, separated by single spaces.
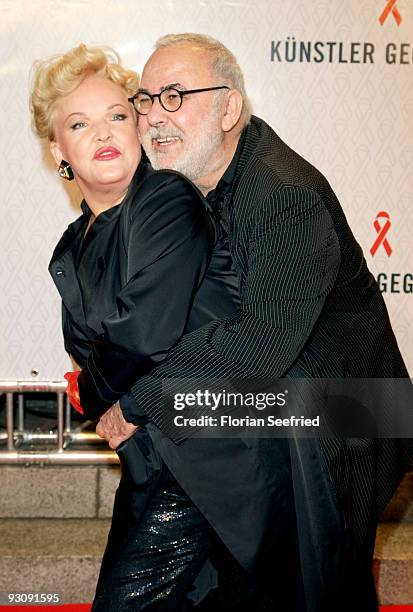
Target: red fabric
pixel 62 608
pixel 73 390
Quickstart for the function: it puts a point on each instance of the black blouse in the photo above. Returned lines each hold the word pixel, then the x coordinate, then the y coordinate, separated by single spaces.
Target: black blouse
pixel 148 270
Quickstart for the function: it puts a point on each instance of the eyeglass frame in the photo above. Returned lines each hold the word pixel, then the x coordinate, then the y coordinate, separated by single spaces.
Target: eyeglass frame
pixel 178 91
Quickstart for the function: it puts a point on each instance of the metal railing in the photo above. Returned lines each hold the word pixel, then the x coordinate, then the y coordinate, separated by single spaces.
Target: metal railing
pixel 14 439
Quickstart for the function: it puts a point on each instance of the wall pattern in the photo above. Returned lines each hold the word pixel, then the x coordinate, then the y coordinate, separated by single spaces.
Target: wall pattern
pixel 333 78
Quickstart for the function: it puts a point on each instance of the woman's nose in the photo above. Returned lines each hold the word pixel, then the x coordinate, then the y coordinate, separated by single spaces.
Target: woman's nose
pixel 103 131
pixel 103 137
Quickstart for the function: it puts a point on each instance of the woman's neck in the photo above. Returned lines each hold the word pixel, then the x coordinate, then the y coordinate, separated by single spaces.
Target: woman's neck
pixel 100 202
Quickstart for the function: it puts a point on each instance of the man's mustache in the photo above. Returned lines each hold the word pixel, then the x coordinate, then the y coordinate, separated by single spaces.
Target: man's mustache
pixel 154 132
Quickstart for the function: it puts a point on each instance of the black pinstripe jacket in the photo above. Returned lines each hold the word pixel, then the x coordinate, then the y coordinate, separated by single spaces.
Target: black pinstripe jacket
pixel 309 307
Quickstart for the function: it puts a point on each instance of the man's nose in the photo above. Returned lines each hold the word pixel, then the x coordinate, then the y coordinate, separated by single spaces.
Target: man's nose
pixel 157 114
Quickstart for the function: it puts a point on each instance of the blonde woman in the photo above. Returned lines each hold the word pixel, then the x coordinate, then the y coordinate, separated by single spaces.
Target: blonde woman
pixel 138 268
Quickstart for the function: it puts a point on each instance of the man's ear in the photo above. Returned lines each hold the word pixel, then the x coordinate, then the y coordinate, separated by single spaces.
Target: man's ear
pixel 232 110
pixel 56 152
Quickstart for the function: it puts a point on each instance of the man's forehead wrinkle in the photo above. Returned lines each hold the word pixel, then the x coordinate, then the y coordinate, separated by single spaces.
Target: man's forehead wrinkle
pixel 165 74
pixel 167 66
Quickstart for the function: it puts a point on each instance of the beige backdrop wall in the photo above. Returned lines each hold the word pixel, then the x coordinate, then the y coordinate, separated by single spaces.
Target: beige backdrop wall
pixel 334 78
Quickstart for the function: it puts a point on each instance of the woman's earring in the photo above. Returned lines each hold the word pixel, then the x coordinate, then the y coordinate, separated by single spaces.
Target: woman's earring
pixel 65 171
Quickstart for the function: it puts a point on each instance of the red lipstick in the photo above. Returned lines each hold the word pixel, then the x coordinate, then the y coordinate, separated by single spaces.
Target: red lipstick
pixel 106 153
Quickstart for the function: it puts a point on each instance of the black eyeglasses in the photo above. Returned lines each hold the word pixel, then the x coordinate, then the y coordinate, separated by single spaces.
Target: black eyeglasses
pixel 170 98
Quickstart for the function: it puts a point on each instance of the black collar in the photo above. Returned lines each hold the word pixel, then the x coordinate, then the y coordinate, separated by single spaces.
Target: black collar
pixel 224 186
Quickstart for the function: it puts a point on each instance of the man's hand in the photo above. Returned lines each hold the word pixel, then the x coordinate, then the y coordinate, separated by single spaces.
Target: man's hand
pixel 113 427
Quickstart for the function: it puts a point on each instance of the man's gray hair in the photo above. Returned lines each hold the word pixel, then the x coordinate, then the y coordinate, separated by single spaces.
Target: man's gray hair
pixel 224 63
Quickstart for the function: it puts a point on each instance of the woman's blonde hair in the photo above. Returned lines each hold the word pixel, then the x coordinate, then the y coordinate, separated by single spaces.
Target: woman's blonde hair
pixel 59 75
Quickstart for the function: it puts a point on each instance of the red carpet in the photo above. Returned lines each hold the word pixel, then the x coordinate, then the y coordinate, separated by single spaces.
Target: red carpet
pixel 62 608
pixel 86 608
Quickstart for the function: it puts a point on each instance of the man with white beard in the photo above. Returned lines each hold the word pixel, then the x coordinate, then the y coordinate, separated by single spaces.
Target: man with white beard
pixel 309 308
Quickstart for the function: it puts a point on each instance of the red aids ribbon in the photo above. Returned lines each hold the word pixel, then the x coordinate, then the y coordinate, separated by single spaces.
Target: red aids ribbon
pixel 390 8
pixel 73 390
pixel 382 231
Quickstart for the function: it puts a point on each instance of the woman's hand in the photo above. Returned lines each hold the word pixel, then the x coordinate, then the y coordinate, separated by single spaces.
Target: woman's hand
pixel 114 428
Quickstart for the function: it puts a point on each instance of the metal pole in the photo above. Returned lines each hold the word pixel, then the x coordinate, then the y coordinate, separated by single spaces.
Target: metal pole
pixel 68 416
pixel 59 458
pixel 10 424
pixel 22 386
pixel 63 435
pixel 20 421
pixel 28 437
pixel 60 421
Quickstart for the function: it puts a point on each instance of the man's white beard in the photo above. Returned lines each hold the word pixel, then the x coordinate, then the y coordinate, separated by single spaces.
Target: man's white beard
pixel 195 162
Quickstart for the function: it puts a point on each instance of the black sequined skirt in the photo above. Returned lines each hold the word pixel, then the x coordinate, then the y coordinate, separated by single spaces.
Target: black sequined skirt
pixel 162 555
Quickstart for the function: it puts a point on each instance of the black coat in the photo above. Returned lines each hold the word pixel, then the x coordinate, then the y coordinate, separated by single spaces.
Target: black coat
pixel 148 270
pixel 309 308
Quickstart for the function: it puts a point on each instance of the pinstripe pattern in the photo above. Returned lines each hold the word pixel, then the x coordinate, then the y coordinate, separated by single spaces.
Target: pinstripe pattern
pixel 309 307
